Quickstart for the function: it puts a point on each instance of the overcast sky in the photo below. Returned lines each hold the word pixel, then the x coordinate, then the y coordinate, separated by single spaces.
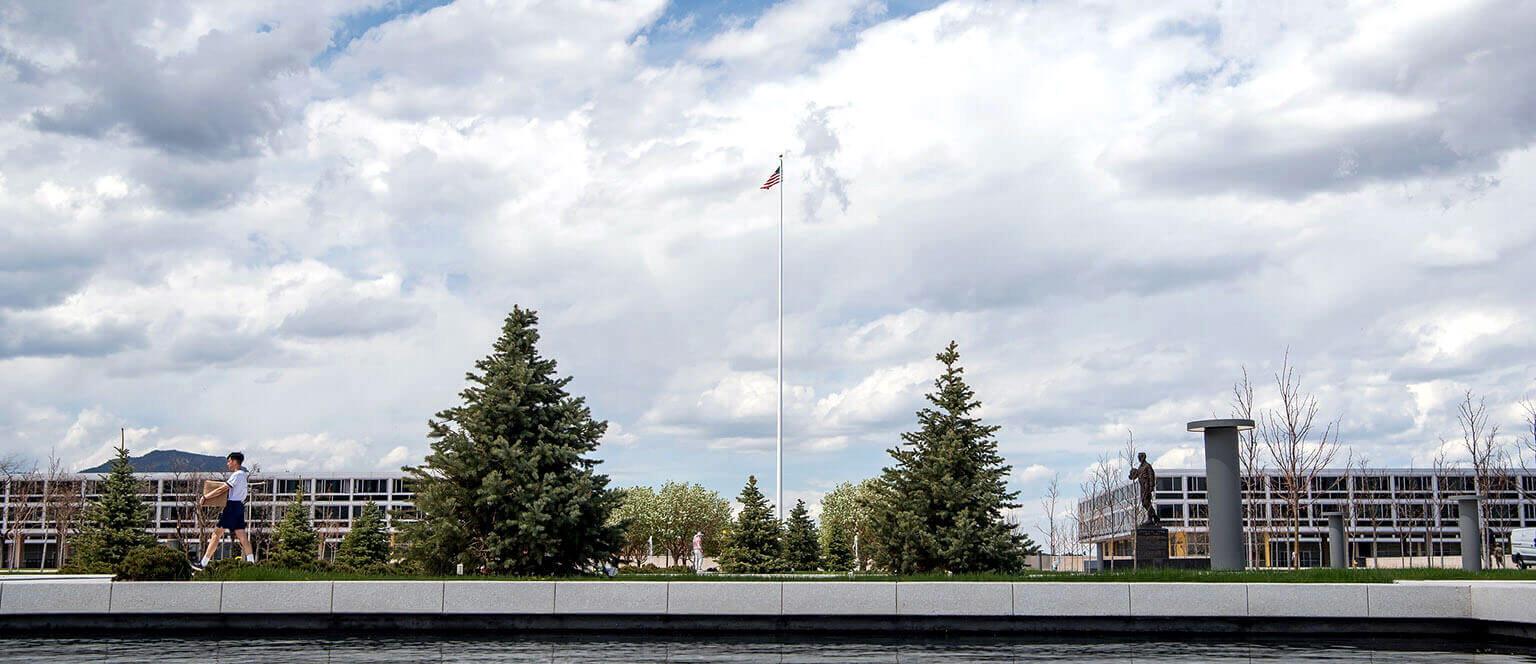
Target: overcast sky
pixel 290 227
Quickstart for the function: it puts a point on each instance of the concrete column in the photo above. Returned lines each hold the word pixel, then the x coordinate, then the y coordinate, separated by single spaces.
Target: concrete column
pixel 1223 490
pixel 1338 547
pixel 1471 534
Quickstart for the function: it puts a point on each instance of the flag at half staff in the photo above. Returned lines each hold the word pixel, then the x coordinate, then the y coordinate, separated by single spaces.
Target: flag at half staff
pixel 773 179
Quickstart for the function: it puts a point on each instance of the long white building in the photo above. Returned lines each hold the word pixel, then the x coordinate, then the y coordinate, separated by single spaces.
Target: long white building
pixel 28 507
pixel 1389 513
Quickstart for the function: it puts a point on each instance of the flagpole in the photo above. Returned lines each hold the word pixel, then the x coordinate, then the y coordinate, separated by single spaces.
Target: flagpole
pixel 779 426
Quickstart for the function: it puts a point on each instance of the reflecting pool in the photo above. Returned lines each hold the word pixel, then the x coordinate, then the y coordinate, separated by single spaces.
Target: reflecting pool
pixel 745 649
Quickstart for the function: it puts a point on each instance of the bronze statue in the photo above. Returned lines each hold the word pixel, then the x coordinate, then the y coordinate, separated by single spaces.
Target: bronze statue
pixel 1147 480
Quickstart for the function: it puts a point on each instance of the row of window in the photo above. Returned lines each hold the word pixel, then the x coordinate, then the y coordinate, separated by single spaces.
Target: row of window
pixel 34 490
pixel 1338 483
pixel 1369 511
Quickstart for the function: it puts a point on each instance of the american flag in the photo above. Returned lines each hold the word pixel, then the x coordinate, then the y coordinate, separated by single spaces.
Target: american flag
pixel 772 179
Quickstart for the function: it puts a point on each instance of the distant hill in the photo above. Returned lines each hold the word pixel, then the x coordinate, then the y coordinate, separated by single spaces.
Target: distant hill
pixel 168 461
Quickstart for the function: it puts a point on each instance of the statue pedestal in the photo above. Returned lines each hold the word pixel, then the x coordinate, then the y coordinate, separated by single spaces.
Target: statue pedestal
pixel 1151 546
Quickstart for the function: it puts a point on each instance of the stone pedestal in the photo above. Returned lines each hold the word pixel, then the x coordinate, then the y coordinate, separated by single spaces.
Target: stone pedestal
pixel 1338 544
pixel 1471 533
pixel 1224 493
pixel 1151 546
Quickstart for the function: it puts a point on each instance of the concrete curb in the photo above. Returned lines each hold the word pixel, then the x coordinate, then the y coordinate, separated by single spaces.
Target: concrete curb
pixel 1502 607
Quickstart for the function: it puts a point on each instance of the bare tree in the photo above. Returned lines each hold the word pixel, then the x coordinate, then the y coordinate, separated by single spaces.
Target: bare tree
pixel 1364 503
pixel 1525 449
pixel 1096 515
pixel 1252 464
pixel 1060 534
pixel 1479 439
pixel 22 481
pixel 1298 451
pixel 64 502
pixel 1433 527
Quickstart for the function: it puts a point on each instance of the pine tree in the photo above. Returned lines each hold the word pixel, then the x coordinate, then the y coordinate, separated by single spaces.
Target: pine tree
pixel 506 485
pixel 800 539
pixel 294 543
pixel 116 523
pixel 367 543
pixel 837 550
pixel 752 545
pixel 942 503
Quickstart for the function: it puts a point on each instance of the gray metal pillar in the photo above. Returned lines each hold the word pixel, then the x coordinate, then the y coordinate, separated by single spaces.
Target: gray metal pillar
pixel 1338 548
pixel 1471 534
pixel 1223 490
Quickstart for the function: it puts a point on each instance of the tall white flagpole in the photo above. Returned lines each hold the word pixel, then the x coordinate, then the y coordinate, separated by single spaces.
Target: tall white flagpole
pixel 779 427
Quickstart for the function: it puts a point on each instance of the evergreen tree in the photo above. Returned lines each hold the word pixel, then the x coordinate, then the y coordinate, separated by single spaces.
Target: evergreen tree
pixel 837 552
pixel 941 505
pixel 752 545
pixel 800 539
pixel 116 523
pixel 294 543
pixel 506 485
pixel 367 543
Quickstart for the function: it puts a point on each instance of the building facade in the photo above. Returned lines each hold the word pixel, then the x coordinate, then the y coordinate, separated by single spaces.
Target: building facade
pixel 30 506
pixel 1393 514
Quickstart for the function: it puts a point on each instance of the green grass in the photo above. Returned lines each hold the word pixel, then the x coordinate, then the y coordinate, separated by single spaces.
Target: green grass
pixel 1314 575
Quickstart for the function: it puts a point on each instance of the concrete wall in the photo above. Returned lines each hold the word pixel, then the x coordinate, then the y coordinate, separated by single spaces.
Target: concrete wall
pixel 1503 602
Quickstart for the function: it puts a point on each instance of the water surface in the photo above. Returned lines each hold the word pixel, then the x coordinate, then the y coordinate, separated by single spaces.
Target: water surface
pixel 752 649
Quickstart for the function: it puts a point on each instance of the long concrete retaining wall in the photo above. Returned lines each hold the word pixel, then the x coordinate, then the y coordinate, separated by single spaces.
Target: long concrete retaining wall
pixel 1446 608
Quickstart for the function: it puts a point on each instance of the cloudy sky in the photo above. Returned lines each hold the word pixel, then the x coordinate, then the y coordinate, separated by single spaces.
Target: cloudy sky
pixel 290 227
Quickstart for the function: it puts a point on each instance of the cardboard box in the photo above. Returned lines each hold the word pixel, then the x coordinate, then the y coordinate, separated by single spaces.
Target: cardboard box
pixel 212 485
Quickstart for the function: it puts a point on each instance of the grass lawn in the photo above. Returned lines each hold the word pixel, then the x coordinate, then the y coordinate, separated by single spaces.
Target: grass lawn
pixel 1312 575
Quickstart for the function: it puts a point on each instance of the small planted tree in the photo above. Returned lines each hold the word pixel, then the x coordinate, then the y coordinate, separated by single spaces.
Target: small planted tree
pixel 508 485
pixel 800 540
pixel 366 546
pixel 837 547
pixel 687 509
pixel 114 524
pixel 846 513
pixel 639 513
pixel 294 542
pixel 752 545
pixel 942 503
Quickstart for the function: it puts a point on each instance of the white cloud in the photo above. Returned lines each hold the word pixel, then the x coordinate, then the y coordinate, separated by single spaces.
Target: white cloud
pixel 1112 209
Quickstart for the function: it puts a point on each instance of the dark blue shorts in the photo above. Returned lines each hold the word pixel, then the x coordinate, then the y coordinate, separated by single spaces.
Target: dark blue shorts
pixel 233 516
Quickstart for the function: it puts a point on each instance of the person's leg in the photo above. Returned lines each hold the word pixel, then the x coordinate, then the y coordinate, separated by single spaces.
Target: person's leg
pixel 213 545
pixel 245 545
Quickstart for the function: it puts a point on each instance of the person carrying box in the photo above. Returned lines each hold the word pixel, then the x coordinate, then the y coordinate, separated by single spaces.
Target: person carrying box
pixel 233 516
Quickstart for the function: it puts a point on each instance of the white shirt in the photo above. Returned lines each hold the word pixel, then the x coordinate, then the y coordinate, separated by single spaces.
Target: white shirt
pixel 237 488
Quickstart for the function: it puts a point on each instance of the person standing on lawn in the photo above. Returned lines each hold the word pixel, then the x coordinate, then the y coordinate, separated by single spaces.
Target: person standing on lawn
pixel 233 516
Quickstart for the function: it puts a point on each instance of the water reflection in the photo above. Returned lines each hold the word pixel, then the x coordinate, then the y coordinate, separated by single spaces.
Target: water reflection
pixel 724 649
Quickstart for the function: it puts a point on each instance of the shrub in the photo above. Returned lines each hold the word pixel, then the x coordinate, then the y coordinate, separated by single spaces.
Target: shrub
pixel 298 563
pixel 155 563
pixel 222 568
pixel 76 566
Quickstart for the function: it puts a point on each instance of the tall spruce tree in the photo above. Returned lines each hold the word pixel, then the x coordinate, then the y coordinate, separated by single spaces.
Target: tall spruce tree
pixel 367 543
pixel 800 540
pixel 506 485
pixel 294 542
pixel 115 523
pixel 752 544
pixel 941 505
